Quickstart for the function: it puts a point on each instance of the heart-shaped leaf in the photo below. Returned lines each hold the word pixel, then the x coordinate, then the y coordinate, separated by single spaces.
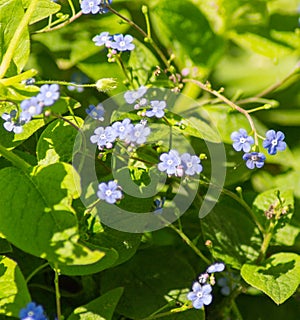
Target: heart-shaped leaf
pixel 278 276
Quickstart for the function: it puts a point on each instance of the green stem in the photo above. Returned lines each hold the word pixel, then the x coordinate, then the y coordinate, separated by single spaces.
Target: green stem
pixel 72 7
pixel 57 293
pixel 8 56
pixel 236 311
pixel 228 102
pixel 68 21
pixel 146 14
pixel 168 313
pixel 37 270
pixel 190 244
pixel 245 205
pixel 14 159
pixel 66 83
pixel 143 33
pixel 266 242
pixel 122 66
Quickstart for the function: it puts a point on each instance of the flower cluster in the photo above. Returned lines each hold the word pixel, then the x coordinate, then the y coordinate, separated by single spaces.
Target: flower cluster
pixel 174 164
pixel 202 288
pixel 94 6
pixel 273 143
pixel 137 98
pixel 124 130
pixel 117 42
pixel 110 192
pixel 31 107
pixel 32 312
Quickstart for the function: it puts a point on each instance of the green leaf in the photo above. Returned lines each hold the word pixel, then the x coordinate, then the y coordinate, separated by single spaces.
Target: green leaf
pixel 227 14
pixel 278 276
pixel 14 294
pixel 39 218
pixel 183 28
pixel 234 236
pixel 143 62
pixel 260 45
pixel 101 308
pixel 12 13
pixel 143 280
pixel 56 143
pixel 44 9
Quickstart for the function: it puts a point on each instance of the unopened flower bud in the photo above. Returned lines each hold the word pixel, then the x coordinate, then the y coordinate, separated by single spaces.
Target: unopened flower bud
pixel 106 84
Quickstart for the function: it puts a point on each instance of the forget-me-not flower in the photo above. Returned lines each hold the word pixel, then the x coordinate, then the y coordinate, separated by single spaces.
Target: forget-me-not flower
pixel 104 38
pixel 32 312
pixel 139 134
pixel 110 192
pixel 122 43
pixel 191 164
pixel 169 162
pixel 200 295
pixel 31 107
pixel 157 109
pixel 123 129
pixel 90 6
pixel 241 140
pixel 48 94
pixel 254 159
pixel 274 141
pixel 10 123
pixel 132 96
pixel 216 267
pixel 104 137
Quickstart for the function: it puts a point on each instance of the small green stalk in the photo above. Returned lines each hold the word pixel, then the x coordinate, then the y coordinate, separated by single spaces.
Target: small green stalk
pixel 8 56
pixel 57 293
pixel 190 243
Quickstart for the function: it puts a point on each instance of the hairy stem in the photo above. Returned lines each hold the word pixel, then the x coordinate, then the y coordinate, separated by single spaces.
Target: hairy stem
pixel 207 88
pixel 143 33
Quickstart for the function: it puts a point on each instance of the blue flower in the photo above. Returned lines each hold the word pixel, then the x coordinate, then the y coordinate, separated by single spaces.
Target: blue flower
pixel 138 135
pixel 32 312
pixel 104 38
pixel 31 107
pixel 254 159
pixel 191 164
pixel 274 141
pixel 123 129
pixel 133 95
pixel 216 267
pixel 169 162
pixel 104 137
pixel 48 94
pixel 241 140
pixel 122 43
pixel 200 295
pixel 110 192
pixel 10 123
pixel 157 109
pixel 90 6
pixel 96 112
